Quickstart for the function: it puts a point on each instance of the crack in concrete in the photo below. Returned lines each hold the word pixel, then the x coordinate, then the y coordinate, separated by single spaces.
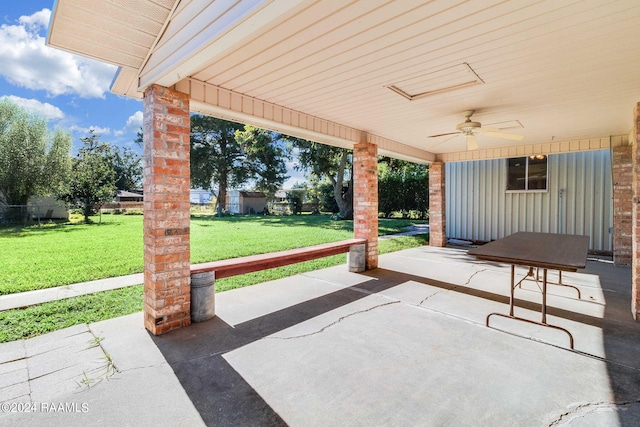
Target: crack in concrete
pixel 13 360
pixel 472 276
pixel 110 365
pixel 135 368
pixel 453 288
pixel 587 408
pixel 330 325
pixel 432 295
pixel 26 357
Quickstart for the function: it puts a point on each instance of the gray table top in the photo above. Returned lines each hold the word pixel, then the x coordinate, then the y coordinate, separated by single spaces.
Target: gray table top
pixel 566 252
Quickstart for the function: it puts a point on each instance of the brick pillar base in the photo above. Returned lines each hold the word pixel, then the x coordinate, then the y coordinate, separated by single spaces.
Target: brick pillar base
pixel 166 210
pixel 365 199
pixel 622 176
pixel 437 205
pixel 635 215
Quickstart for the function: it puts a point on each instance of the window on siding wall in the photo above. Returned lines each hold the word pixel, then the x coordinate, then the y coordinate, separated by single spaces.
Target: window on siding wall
pixel 527 173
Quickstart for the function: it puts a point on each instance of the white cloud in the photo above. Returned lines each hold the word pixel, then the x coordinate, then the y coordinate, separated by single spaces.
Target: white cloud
pixel 48 111
pixel 37 20
pixel 27 62
pixel 96 129
pixel 134 122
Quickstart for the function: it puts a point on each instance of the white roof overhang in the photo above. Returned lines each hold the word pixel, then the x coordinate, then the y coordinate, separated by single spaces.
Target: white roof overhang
pixel 563 74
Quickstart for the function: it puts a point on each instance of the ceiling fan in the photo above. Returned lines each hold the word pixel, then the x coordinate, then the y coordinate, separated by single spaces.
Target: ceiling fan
pixel 470 128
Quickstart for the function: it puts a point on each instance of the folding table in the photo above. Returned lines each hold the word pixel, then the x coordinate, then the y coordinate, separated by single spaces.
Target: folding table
pixel 562 252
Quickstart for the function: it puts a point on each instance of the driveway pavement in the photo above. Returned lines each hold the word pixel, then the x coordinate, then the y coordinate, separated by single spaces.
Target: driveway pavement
pixel 405 344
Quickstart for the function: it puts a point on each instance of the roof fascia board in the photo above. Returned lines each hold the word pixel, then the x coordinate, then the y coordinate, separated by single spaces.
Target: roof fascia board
pixel 125 83
pixel 168 67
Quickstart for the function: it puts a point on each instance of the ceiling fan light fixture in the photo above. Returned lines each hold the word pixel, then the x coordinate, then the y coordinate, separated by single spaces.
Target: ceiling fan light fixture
pixel 472 142
pixel 468 126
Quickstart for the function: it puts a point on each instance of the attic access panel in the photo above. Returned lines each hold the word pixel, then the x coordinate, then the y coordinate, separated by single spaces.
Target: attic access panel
pixel 444 80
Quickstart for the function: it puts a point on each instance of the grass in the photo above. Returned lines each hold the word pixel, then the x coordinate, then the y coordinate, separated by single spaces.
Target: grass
pixel 61 254
pixel 51 316
pixel 120 231
pixel 48 317
pixel 385 246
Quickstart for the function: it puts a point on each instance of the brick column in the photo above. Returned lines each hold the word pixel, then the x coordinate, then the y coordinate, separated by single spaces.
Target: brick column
pixel 635 215
pixel 166 210
pixel 622 175
pixel 437 205
pixel 365 198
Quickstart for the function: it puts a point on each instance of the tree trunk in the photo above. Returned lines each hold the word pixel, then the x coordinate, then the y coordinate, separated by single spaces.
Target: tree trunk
pixel 347 199
pixel 222 191
pixel 87 211
pixel 344 201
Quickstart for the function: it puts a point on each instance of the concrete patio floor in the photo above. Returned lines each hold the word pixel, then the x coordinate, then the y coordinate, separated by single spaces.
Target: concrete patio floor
pixel 405 344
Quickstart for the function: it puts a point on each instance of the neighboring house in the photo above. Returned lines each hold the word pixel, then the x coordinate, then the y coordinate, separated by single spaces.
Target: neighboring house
pixel 281 196
pixel 200 196
pixel 47 207
pixel 568 193
pixel 246 202
pixel 127 196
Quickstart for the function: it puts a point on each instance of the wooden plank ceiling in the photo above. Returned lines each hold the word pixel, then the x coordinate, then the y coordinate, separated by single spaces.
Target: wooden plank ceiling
pixel 549 70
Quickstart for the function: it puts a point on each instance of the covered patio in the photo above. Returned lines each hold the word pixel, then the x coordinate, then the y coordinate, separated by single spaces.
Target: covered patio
pixel 404 344
pixel 378 77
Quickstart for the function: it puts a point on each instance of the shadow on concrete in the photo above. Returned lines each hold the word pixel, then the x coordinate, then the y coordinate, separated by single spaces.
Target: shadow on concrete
pixel 218 392
pixel 621 338
pixel 224 398
pixel 620 333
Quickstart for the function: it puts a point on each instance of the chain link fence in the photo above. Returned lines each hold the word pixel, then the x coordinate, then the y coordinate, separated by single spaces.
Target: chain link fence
pixel 21 215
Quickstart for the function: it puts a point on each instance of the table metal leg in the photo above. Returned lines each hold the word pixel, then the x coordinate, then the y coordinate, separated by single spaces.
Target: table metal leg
pixel 513 279
pixel 536 277
pixel 544 306
pixel 544 296
pixel 567 286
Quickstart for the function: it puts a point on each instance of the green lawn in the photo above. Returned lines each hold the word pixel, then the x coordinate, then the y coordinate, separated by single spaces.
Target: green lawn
pixel 55 255
pixel 60 254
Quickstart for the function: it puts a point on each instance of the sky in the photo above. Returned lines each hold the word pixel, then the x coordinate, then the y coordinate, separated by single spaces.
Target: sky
pixel 70 91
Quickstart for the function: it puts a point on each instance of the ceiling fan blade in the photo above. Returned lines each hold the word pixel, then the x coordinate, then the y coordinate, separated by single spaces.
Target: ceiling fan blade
pixel 443 134
pixel 503 135
pixel 472 143
pixel 442 141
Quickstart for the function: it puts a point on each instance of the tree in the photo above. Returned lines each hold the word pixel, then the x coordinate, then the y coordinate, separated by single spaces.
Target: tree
pixel 403 187
pixel 327 198
pixel 127 165
pixel 333 163
pixel 390 194
pixel 33 161
pixel 295 197
pixel 266 156
pixel 138 141
pixel 314 194
pixel 216 156
pixel 92 180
